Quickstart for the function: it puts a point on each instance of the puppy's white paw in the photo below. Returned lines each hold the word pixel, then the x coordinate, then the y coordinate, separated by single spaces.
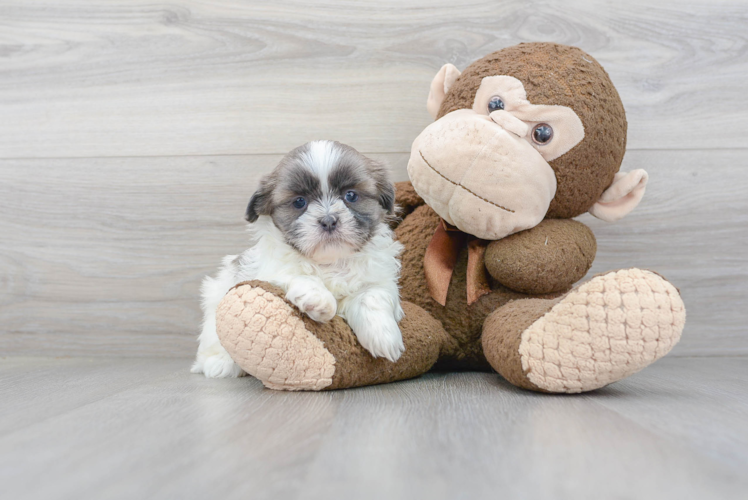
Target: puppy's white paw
pixel 317 302
pixel 218 365
pixel 382 338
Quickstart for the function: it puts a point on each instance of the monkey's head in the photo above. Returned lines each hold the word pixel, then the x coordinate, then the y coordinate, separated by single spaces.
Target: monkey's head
pixel 529 132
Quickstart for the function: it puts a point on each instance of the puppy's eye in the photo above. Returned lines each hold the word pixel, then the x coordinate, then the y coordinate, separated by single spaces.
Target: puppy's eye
pixel 299 203
pixel 351 197
pixel 495 104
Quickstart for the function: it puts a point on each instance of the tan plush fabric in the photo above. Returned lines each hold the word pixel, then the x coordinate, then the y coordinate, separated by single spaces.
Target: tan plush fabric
pixel 622 196
pixel 269 340
pixel 568 130
pixel 486 181
pixel 560 75
pixel 607 329
pixel 272 340
pixel 440 86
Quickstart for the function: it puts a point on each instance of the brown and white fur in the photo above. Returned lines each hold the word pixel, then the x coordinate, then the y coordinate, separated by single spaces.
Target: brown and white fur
pixel 318 226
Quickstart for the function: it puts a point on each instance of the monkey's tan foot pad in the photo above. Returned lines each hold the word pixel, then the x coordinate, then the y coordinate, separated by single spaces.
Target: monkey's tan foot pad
pixel 603 331
pixel 266 336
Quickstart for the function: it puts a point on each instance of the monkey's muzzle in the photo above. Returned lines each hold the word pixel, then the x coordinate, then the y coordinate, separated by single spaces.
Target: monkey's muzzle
pixel 480 177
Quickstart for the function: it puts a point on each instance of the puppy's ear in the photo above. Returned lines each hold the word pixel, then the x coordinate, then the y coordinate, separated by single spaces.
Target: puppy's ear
pixel 387 197
pixel 385 187
pixel 261 202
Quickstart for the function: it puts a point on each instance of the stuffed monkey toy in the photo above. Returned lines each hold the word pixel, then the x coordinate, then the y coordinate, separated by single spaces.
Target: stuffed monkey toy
pixel 523 140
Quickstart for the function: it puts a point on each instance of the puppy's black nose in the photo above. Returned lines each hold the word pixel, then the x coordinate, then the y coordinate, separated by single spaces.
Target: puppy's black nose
pixel 328 222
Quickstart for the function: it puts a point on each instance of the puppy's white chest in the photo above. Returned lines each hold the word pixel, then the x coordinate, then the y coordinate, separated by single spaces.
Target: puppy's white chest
pixel 341 280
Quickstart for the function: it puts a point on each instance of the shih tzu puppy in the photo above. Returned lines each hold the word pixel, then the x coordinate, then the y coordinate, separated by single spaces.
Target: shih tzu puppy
pixel 319 231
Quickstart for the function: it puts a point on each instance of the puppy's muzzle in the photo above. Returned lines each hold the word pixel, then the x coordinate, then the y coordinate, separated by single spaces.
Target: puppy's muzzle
pixel 328 223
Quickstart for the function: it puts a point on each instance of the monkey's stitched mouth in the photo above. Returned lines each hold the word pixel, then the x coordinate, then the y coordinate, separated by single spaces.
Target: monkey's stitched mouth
pixel 461 186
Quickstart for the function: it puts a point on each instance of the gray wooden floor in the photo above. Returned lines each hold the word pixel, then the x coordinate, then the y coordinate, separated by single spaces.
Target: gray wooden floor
pixel 145 428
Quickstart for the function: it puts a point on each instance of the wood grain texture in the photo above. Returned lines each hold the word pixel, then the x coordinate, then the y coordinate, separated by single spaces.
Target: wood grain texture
pixel 133 133
pixel 678 430
pixel 140 78
pixel 103 255
pixel 106 255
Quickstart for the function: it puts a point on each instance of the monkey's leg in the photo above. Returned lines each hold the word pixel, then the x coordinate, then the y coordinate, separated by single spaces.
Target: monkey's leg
pixel 273 341
pixel 601 331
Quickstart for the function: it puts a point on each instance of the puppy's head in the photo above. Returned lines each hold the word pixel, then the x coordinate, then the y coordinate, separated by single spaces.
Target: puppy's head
pixel 326 198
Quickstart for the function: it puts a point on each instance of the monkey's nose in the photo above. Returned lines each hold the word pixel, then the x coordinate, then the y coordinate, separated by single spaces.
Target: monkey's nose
pixel 328 223
pixel 509 122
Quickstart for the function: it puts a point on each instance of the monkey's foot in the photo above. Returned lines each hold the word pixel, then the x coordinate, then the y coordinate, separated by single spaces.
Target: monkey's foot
pixel 602 331
pixel 269 338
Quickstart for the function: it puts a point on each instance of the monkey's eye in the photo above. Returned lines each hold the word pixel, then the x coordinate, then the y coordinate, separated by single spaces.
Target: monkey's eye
pixel 351 197
pixel 299 203
pixel 542 133
pixel 495 104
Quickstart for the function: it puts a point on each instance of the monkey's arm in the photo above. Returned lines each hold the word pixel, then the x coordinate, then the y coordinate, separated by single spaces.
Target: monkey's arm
pixel 406 198
pixel 548 258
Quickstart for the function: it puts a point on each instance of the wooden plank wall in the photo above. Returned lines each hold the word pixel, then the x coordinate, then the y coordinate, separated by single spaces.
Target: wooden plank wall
pixel 132 134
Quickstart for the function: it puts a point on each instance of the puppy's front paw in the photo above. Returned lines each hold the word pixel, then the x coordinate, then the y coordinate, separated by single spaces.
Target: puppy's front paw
pixel 317 302
pixel 382 339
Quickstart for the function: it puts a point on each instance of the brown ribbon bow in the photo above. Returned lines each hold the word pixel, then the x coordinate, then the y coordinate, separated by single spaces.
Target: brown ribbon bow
pixel 441 257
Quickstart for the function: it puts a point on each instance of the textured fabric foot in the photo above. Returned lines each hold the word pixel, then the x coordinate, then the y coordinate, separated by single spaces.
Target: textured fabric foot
pixel 272 340
pixel 267 337
pixel 607 329
pixel 600 332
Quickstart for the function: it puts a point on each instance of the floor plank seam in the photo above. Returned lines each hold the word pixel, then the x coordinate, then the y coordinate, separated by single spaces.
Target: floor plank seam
pixel 282 153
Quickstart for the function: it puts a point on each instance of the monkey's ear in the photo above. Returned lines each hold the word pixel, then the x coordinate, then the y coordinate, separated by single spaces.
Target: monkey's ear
pixel 622 196
pixel 261 202
pixel 440 85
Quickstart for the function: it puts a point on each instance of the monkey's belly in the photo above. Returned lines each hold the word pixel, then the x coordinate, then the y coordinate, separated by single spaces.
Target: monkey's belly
pixel 464 323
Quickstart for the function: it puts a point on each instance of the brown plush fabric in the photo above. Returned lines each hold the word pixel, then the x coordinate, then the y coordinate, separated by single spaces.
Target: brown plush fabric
pixel 464 323
pixel 502 334
pixel 424 340
pixel 265 335
pixel 604 330
pixel 628 319
pixel 406 198
pixel 548 258
pixel 565 76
